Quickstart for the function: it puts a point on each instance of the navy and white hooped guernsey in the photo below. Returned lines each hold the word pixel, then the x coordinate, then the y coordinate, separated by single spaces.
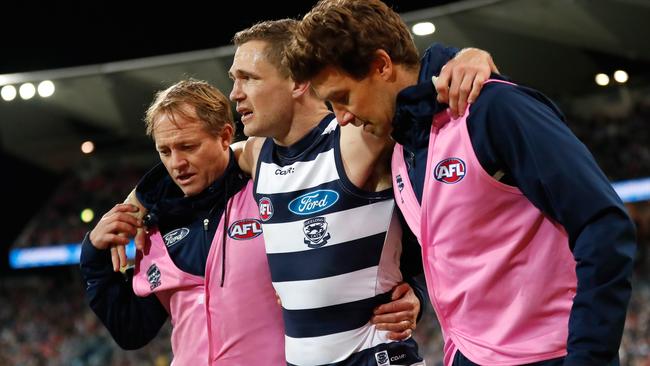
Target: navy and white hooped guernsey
pixel 334 253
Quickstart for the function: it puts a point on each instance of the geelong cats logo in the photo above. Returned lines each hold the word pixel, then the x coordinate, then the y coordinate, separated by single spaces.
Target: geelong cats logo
pixel 315 230
pixel 153 276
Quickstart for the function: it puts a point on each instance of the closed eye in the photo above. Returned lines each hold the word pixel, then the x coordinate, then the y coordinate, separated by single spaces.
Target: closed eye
pixel 340 98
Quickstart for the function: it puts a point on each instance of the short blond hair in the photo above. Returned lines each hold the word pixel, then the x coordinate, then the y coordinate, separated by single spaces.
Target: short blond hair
pixel 277 34
pixel 212 108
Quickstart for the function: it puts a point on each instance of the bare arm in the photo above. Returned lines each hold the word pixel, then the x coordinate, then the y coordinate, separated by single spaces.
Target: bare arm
pixel 366 158
pixel 247 152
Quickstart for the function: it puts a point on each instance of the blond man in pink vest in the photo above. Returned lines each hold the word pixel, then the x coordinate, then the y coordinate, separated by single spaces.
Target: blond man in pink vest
pixel 203 266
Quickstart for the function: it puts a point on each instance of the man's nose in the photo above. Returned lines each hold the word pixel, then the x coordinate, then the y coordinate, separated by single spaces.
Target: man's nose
pixel 178 161
pixel 343 116
pixel 236 92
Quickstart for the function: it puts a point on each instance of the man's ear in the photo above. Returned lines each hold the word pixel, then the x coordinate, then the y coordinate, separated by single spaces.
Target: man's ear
pixel 383 65
pixel 226 135
pixel 300 88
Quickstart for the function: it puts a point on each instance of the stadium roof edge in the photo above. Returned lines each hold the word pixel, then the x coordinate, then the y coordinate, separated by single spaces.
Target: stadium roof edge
pixel 117 66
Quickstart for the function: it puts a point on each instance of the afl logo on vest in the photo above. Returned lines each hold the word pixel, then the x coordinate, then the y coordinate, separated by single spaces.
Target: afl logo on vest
pixel 266 208
pixel 245 229
pixel 450 171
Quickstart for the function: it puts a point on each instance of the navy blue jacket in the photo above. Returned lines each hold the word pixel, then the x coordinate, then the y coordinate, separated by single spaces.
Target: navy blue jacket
pixel 134 321
pixel 520 132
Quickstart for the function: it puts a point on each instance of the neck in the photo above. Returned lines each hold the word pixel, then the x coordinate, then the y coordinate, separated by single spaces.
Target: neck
pixel 307 114
pixel 406 76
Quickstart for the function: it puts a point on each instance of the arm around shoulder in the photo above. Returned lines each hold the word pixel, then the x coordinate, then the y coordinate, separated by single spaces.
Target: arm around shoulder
pixel 132 321
pixel 247 152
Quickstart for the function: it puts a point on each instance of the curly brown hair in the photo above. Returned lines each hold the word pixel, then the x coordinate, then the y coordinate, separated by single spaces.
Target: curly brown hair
pixel 345 34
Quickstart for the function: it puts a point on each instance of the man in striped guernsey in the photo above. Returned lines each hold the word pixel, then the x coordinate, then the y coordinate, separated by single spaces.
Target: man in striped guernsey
pixel 332 234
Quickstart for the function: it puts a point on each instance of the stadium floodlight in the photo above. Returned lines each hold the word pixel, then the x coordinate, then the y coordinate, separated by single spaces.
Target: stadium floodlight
pixel 87 147
pixel 620 76
pixel 8 93
pixel 423 28
pixel 87 215
pixel 27 91
pixel 602 79
pixel 46 88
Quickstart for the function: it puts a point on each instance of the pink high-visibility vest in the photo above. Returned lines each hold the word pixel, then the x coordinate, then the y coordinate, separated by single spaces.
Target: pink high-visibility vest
pixel 237 324
pixel 499 273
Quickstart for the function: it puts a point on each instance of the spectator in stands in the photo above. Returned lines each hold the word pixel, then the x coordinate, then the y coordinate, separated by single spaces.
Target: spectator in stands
pixel 498 196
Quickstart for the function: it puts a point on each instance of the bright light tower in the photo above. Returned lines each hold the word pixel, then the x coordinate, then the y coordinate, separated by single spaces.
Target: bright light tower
pixel 620 76
pixel 602 79
pixel 87 147
pixel 8 93
pixel 423 28
pixel 46 88
pixel 27 91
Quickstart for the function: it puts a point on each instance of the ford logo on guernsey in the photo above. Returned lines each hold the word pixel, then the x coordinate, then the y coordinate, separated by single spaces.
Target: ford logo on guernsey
pixel 450 171
pixel 313 202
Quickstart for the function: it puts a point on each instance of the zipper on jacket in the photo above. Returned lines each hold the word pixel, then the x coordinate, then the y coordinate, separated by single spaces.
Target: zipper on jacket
pixel 225 233
pixel 206 227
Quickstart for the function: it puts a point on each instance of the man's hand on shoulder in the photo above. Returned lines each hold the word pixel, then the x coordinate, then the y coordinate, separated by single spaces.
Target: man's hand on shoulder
pixel 461 79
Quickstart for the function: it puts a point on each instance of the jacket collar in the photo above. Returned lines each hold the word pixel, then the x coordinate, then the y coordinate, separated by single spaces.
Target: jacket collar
pixel 416 105
pixel 164 200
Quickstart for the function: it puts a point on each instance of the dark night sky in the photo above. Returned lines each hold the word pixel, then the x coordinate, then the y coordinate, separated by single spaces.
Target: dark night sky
pixel 86 32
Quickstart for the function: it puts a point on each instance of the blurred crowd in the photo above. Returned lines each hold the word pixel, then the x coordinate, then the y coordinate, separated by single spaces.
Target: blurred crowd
pixel 59 220
pixel 45 321
pixel 621 145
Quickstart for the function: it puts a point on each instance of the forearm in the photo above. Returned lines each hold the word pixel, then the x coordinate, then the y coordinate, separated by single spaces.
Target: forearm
pixel 132 321
pixel 604 252
pixel 411 266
